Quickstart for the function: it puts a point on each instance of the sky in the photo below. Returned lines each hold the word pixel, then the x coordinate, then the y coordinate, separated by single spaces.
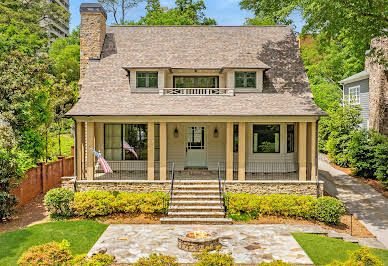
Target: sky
pixel 225 12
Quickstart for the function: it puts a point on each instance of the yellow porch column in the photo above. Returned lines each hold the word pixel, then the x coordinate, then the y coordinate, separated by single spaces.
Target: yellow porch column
pixel 80 137
pixel 90 154
pixel 151 150
pixel 99 134
pixel 241 150
pixel 229 150
pixel 302 148
pixel 313 150
pixel 163 150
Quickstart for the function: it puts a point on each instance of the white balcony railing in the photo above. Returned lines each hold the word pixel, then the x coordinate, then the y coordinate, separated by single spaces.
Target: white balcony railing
pixel 197 91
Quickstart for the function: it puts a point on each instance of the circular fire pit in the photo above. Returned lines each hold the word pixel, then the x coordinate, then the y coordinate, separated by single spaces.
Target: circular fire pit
pixel 198 241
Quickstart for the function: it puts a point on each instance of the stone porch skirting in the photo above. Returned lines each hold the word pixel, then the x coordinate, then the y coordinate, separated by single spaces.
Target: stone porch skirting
pixel 263 187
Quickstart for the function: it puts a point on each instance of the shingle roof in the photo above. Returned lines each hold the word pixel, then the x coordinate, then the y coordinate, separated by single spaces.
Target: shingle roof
pixel 105 88
pixel 359 76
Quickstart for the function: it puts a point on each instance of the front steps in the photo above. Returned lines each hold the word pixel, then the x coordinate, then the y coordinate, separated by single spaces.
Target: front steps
pixel 196 202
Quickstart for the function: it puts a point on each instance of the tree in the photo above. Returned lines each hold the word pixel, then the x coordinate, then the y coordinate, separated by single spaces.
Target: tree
pixel 358 21
pixel 20 24
pixel 119 8
pixel 186 12
pixel 257 21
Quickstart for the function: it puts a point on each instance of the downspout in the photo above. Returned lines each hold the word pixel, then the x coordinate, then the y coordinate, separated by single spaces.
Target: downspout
pixel 75 156
pixel 316 157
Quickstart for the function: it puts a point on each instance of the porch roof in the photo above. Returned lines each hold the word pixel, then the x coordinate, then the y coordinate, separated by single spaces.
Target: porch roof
pixel 121 103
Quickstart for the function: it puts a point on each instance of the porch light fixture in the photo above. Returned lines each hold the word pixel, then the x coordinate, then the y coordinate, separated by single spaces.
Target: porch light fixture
pixel 176 133
pixel 215 133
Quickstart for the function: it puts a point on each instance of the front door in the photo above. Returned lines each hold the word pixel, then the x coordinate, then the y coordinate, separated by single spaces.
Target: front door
pixel 195 147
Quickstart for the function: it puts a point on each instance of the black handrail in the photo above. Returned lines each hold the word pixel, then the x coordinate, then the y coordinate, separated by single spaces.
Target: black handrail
pixel 172 181
pixel 223 196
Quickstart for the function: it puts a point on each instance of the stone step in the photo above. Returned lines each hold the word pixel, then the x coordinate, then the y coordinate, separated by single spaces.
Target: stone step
pixel 196 192
pixel 209 208
pixel 201 220
pixel 196 214
pixel 195 182
pixel 196 187
pixel 178 202
pixel 196 197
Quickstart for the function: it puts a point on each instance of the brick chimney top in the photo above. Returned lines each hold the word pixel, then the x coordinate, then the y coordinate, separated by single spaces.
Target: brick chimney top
pixel 92 8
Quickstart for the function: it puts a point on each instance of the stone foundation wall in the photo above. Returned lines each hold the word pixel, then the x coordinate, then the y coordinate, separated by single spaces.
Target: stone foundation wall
pixel 250 187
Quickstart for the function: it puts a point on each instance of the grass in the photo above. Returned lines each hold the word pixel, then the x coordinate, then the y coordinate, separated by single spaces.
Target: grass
pixel 323 250
pixel 81 234
pixel 66 142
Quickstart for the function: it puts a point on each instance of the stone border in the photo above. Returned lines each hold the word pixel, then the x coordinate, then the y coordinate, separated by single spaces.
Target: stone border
pixel 262 187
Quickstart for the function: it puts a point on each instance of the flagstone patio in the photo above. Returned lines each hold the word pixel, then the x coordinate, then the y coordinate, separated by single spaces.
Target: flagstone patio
pixel 247 243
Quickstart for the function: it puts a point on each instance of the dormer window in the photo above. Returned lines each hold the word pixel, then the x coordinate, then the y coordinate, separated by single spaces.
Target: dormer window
pixel 245 79
pixel 146 79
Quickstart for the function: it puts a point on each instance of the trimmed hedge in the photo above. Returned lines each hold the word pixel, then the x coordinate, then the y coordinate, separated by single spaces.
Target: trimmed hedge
pixel 57 202
pixel 325 209
pixel 99 203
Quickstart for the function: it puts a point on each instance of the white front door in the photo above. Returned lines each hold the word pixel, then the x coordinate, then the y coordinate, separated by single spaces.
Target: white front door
pixel 195 146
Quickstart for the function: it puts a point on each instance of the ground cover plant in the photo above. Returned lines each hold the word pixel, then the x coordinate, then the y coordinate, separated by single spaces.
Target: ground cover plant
pixel 81 235
pixel 244 207
pixel 324 250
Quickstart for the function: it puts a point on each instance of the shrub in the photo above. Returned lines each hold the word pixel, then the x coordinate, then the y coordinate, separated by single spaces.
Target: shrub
pixel 93 203
pixel 57 202
pixel 325 209
pixel 95 260
pixel 381 159
pixel 52 253
pixel 157 260
pixel 275 263
pixel 214 259
pixel 329 210
pixel 362 257
pixel 152 202
pixel 127 202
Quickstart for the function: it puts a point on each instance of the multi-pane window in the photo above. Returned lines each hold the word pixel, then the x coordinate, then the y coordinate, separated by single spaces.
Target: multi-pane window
pixel 235 138
pixel 146 79
pixel 354 95
pixel 113 142
pixel 266 138
pixel 245 79
pixel 195 82
pixel 290 138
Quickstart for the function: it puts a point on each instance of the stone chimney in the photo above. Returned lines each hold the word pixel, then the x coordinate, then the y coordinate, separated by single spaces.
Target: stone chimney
pixel 92 34
pixel 378 84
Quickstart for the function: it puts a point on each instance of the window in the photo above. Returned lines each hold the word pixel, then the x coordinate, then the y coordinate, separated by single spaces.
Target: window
pixel 134 134
pixel 195 82
pixel 146 79
pixel 245 79
pixel 235 138
pixel 266 138
pixel 290 138
pixel 354 95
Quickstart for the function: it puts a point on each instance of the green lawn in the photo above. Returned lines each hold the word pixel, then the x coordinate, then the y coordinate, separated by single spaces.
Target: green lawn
pixel 323 250
pixel 66 142
pixel 81 234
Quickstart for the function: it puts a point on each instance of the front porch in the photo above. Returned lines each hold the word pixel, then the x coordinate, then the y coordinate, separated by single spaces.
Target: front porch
pixel 282 148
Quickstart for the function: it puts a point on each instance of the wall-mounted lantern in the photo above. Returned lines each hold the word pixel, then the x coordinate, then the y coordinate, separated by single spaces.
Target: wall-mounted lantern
pixel 215 133
pixel 176 132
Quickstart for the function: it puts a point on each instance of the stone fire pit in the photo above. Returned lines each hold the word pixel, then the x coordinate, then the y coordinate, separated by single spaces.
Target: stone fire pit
pixel 198 241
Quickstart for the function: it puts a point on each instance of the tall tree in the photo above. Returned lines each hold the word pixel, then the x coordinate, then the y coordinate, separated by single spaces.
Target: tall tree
pixel 119 8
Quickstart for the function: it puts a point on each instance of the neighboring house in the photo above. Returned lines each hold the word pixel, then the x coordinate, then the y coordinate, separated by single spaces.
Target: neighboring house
pixel 356 91
pixel 56 27
pixel 201 98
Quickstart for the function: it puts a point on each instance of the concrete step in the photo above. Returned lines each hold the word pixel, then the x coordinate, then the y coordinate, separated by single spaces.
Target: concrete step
pixel 196 187
pixel 195 182
pixel 195 192
pixel 179 202
pixel 196 197
pixel 209 208
pixel 169 220
pixel 196 214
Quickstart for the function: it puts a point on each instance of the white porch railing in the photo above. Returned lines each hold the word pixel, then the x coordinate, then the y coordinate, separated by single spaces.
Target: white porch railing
pixel 197 91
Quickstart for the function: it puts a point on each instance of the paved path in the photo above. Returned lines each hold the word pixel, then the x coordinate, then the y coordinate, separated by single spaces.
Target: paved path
pixel 248 243
pixel 366 204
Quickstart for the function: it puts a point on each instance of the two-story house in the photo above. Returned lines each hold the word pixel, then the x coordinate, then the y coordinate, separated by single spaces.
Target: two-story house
pixel 201 98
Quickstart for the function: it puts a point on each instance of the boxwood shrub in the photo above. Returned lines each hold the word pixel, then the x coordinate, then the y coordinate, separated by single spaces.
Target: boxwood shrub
pixel 325 209
pixel 57 202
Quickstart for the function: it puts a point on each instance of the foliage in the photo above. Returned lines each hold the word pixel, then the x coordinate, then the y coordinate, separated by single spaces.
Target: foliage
pixel 155 259
pixel 94 260
pixel 360 256
pixel 325 209
pixel 329 210
pixel 275 263
pixel 256 21
pixel 119 8
pixel 381 159
pixel 98 203
pixel 57 201
pixel 323 250
pixel 186 12
pixel 214 258
pixel 81 234
pixel 52 253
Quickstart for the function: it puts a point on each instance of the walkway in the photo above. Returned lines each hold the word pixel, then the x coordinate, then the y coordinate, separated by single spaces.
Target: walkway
pixel 366 204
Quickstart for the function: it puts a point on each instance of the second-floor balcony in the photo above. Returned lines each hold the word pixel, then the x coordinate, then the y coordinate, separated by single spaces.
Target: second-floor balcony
pixel 196 91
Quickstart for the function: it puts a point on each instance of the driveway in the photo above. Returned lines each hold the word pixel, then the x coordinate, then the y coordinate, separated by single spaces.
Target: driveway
pixel 366 204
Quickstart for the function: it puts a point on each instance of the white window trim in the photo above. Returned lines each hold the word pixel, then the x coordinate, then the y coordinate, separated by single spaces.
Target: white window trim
pixel 354 100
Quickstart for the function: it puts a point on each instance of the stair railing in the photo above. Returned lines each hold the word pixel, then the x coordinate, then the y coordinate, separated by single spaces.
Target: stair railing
pixel 167 202
pixel 224 199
